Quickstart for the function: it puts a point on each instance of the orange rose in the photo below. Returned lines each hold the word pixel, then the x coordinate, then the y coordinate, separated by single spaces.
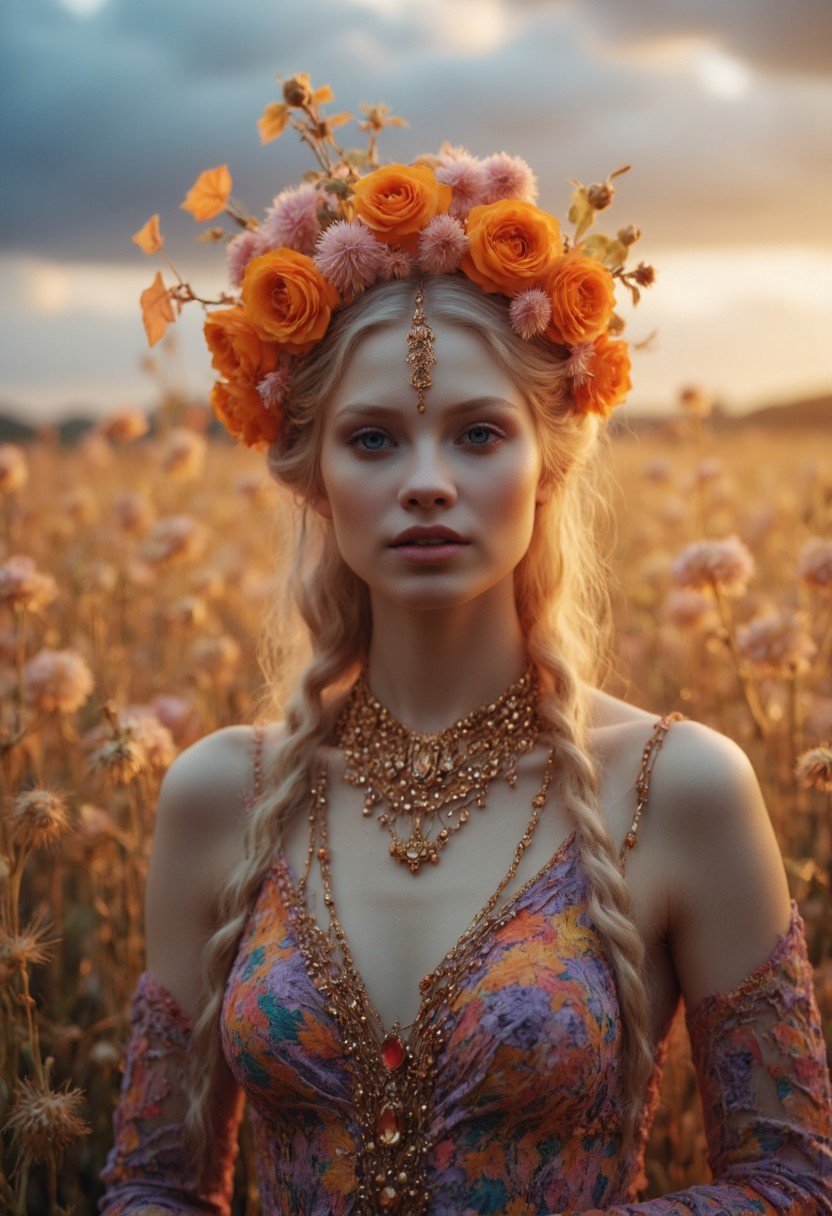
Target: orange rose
pixel 583 296
pixel 240 409
pixel 397 201
pixel 610 380
pixel 512 245
pixel 287 299
pixel 238 350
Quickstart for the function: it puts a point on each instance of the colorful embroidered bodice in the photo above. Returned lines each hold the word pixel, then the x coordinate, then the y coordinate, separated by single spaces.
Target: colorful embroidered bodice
pixel 525 1115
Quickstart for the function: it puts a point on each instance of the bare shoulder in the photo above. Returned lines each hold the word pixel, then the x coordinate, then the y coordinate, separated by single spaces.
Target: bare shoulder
pixel 728 898
pixel 198 820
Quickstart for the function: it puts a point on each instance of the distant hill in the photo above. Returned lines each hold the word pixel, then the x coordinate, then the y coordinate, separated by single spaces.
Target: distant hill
pixel 811 413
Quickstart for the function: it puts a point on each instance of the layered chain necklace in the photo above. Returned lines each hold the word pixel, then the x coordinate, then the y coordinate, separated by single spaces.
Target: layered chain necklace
pixel 431 781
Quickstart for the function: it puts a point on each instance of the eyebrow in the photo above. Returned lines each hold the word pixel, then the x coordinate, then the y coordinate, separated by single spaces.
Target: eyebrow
pixel 461 407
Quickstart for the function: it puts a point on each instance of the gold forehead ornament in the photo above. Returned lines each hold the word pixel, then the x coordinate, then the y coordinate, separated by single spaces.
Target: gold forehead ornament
pixel 420 342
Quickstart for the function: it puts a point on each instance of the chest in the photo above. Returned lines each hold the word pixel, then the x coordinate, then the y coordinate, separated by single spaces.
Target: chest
pixel 399 926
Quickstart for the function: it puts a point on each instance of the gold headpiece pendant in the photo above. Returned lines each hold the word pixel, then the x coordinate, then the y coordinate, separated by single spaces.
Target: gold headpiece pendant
pixel 420 341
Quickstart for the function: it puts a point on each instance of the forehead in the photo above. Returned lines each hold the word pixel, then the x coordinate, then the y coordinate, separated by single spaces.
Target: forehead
pixel 378 370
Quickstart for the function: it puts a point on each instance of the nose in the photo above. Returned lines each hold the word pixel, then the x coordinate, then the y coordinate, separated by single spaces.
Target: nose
pixel 426 479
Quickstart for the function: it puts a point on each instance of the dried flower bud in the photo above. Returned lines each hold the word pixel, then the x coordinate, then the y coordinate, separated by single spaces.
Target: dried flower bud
pixel 644 275
pixel 695 401
pixel 600 195
pixel 38 818
pixel 297 90
pixel 629 235
pixel 814 769
pixel 44 1121
pixel 616 325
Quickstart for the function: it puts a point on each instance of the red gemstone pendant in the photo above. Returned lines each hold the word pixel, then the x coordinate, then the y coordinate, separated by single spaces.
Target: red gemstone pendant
pixel 392 1052
pixel 389 1124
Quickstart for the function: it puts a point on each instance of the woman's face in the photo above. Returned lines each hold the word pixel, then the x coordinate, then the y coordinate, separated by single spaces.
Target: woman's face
pixel 471 463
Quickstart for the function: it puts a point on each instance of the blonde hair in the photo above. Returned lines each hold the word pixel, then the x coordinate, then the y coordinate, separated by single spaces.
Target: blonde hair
pixel 563 602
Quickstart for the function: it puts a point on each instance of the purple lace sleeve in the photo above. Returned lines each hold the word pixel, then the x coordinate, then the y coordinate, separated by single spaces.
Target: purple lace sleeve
pixel 147 1169
pixel 763 1077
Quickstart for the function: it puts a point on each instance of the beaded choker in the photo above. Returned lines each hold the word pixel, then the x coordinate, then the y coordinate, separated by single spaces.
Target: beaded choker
pixel 432 780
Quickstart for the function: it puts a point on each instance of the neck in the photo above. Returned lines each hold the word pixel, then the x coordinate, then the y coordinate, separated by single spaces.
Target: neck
pixel 431 668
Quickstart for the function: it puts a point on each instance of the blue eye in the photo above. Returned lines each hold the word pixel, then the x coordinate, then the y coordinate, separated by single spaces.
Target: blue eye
pixel 493 435
pixel 366 434
pixel 371 439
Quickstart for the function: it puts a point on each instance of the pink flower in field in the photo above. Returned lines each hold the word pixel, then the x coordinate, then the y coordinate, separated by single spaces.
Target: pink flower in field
pixel 57 680
pixel 183 454
pixel 814 565
pixel 578 366
pixel 441 246
pixel 175 538
pixel 14 471
pixel 96 451
pixel 153 735
pixel 707 471
pixel 396 263
pixel 814 769
pixel 180 717
pixel 274 387
pixel 292 220
pixel 509 177
pixel 23 586
pixel 99 577
pixel 349 256
pixel 777 642
pixel 466 176
pixel 687 608
pixel 728 563
pixel 240 250
pixel 131 511
pixel 258 492
pixel 658 470
pixel 125 426
pixel 79 504
pixel 530 312
pixel 217 657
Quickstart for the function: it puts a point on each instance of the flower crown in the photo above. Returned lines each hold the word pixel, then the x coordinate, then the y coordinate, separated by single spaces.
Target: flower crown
pixel 353 222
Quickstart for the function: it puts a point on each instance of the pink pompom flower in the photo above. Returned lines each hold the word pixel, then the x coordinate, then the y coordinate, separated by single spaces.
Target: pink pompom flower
pixel 349 256
pixel 292 220
pixel 241 249
pixel 509 177
pixel 465 174
pixel 530 312
pixel 396 263
pixel 442 245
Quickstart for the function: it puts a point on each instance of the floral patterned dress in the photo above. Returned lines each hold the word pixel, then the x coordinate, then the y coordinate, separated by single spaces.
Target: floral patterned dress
pixel 525 1112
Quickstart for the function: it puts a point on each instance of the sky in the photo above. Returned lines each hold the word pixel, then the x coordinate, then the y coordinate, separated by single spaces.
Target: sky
pixel 109 109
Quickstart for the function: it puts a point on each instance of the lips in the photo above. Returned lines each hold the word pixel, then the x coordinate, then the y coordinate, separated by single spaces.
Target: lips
pixel 425 534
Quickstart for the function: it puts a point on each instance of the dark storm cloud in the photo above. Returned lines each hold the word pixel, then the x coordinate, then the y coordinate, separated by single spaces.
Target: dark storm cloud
pixel 107 119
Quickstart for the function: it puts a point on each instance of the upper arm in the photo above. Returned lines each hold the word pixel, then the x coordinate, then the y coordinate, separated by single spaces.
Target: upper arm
pixel 730 897
pixel 198 820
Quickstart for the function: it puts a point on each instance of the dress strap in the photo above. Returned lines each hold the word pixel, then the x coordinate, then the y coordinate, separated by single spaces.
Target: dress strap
pixel 258 733
pixel 648 759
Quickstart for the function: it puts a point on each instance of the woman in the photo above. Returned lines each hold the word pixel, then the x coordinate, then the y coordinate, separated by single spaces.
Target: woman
pixel 447 571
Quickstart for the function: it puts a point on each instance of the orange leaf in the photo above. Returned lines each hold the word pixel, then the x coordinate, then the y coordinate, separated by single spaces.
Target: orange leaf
pixel 322 95
pixel 338 120
pixel 209 194
pixel 395 121
pixel 149 239
pixel 272 121
pixel 157 313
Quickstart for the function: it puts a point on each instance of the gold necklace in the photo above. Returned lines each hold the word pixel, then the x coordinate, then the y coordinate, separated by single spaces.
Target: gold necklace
pixel 394 1078
pixel 435 778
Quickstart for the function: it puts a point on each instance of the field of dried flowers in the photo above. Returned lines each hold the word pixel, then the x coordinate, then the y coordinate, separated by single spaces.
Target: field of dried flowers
pixel 133 572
